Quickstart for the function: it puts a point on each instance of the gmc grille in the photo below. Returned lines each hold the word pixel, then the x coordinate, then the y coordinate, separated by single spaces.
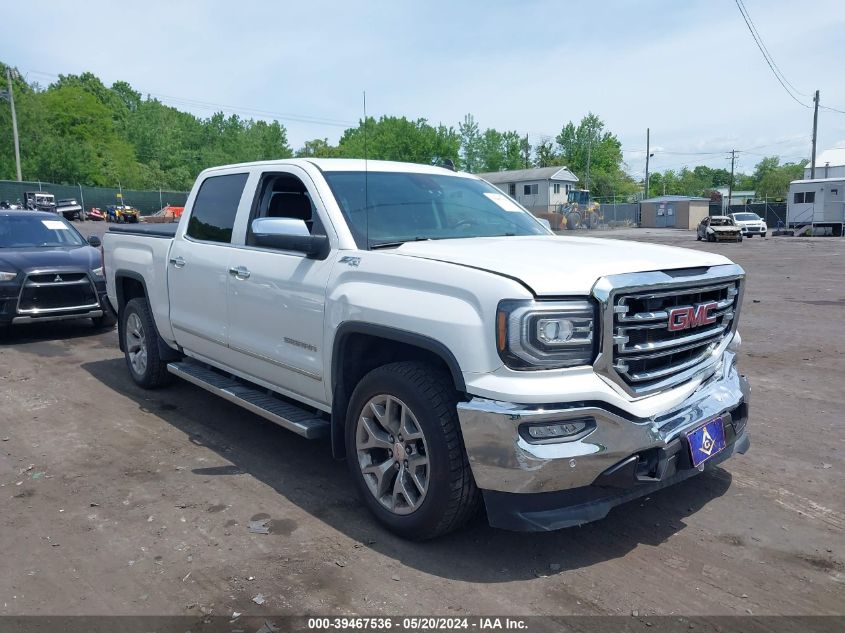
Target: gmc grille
pixel 643 354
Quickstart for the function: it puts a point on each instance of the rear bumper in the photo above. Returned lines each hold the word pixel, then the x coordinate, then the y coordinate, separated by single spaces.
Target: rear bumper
pixel 573 482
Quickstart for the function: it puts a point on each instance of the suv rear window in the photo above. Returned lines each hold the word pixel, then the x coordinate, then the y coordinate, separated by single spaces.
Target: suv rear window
pixel 215 207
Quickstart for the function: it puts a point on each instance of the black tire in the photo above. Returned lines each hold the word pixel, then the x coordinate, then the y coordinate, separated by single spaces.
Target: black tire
pixel 697 237
pixel 154 372
pixel 452 497
pixel 762 235
pixel 108 320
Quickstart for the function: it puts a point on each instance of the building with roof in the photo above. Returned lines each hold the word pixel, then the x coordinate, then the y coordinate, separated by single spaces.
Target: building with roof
pixel 682 212
pixel 829 164
pixel 540 190
pixel 737 197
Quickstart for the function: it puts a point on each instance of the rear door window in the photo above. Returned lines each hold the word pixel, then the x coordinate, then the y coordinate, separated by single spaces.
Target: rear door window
pixel 215 208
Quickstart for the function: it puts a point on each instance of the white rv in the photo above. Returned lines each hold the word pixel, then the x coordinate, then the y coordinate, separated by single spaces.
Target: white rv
pixel 819 203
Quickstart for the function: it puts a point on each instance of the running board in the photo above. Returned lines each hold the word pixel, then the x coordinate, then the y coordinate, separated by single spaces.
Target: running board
pixel 254 399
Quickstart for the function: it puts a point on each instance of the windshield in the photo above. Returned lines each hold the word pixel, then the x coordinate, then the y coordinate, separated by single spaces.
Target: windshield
pixel 579 197
pixel 746 217
pixel 403 207
pixel 718 221
pixel 43 199
pixel 33 231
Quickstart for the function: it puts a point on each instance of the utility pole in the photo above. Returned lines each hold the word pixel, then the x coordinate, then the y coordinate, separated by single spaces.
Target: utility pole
pixel 647 154
pixel 589 156
pixel 15 124
pixel 731 183
pixel 815 132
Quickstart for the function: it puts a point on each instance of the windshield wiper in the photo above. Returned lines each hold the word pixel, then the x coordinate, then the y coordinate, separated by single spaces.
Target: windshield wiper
pixel 397 243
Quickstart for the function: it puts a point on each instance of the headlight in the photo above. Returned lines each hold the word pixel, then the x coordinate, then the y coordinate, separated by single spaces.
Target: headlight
pixel 98 273
pixel 545 334
pixel 7 276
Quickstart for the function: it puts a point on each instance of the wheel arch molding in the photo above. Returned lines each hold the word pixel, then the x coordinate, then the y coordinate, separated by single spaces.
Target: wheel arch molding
pixel 345 336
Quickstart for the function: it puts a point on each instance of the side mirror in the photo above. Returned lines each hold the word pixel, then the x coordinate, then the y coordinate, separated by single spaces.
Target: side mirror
pixel 94 241
pixel 288 234
pixel 545 223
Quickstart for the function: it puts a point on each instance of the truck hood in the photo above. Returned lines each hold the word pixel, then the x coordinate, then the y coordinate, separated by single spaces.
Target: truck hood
pixel 558 265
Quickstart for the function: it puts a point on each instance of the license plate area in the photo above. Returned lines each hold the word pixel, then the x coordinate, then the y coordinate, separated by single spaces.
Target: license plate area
pixel 707 441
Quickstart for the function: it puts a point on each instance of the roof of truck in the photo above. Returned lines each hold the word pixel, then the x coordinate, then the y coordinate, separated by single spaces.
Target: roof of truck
pixel 350 164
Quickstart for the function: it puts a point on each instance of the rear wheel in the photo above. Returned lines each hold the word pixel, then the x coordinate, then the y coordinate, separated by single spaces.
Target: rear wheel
pixel 140 345
pixel 405 451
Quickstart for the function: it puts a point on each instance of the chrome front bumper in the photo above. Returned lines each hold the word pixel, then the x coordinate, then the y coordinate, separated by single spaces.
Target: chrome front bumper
pixel 54 316
pixel 502 460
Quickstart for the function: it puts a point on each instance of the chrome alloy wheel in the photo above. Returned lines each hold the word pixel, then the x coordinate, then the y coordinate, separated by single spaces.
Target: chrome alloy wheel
pixel 136 344
pixel 392 454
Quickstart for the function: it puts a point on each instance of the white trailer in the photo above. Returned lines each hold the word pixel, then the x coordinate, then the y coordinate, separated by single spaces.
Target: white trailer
pixel 817 203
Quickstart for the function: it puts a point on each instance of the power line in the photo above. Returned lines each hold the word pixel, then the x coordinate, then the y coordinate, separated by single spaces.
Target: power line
pixel 769 62
pixel 831 109
pixel 760 39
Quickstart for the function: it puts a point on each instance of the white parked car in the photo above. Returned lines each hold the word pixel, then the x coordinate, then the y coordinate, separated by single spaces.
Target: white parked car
pixel 750 224
pixel 452 348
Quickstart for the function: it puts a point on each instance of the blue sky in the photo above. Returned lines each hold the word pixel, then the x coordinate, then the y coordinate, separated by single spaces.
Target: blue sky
pixel 688 69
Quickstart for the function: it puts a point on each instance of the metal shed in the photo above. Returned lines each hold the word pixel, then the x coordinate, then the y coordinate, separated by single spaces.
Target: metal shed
pixel 681 212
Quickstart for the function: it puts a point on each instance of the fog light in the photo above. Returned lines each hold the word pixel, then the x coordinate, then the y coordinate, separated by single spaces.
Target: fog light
pixel 558 431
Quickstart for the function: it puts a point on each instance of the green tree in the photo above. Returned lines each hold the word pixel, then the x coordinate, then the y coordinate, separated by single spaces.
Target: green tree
pixel 472 145
pixel 771 179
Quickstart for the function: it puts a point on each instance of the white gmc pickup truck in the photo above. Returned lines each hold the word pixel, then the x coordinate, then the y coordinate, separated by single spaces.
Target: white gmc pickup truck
pixel 454 350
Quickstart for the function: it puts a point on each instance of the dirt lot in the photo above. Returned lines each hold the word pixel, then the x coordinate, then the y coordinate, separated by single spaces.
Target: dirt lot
pixel 114 500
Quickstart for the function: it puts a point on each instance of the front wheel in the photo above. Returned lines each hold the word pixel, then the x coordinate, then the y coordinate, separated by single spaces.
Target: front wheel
pixel 140 345
pixel 405 451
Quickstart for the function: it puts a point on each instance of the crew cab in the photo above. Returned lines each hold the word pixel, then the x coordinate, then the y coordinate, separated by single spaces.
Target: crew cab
pixel 452 348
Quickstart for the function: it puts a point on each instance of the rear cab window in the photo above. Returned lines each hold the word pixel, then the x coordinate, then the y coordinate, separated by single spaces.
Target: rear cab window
pixel 215 207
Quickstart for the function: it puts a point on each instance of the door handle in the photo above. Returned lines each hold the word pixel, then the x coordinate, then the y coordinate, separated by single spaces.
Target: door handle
pixel 240 272
pixel 178 262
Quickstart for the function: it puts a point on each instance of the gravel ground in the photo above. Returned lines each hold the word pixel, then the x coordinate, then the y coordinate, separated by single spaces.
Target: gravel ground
pixel 115 500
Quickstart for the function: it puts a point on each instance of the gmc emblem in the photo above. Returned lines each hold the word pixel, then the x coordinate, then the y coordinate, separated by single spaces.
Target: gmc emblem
pixel 692 316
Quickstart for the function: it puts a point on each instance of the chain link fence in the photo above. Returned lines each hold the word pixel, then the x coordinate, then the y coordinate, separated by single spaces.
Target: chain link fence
pixel 774 213
pixel 147 202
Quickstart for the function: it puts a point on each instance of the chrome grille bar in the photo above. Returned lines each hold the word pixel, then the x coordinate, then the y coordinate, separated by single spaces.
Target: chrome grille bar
pixel 638 351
